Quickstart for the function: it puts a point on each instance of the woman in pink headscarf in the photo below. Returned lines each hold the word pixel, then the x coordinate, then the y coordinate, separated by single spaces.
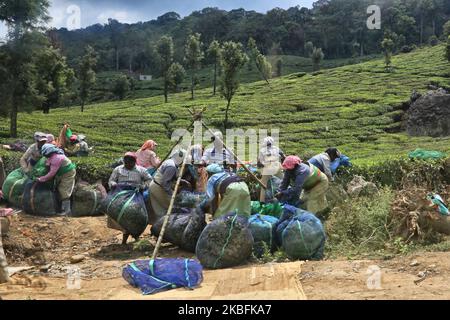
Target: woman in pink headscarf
pixel 146 156
pixel 302 176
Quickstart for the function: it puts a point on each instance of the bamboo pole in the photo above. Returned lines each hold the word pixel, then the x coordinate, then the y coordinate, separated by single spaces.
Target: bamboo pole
pixel 172 201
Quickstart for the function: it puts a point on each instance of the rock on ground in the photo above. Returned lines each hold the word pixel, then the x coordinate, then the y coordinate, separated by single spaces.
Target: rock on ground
pixel 429 115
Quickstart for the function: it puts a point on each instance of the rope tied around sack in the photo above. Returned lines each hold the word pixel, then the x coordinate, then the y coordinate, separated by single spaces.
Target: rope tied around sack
pixel 303 239
pixel 230 232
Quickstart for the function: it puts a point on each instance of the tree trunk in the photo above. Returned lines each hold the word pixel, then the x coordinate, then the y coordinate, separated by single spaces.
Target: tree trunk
pixel 131 64
pixel 225 124
pixel 421 28
pixel 215 78
pixel 4 277
pixel 13 118
pixel 82 106
pixel 192 87
pixel 166 98
pixel 434 26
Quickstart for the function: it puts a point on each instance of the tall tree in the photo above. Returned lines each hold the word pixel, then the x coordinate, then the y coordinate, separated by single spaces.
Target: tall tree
pixel 86 75
pixel 176 75
pixel 309 48
pixel 233 60
pixel 115 29
pixel 262 64
pixel 54 77
pixel 164 49
pixel 17 60
pixel 193 58
pixel 317 57
pixel 121 87
pixel 388 46
pixel 215 53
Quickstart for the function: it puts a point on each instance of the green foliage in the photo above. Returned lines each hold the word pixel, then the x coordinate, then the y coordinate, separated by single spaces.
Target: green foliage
pixel 121 87
pixel 262 64
pixel 233 59
pixel 176 75
pixel 193 57
pixel 55 80
pixel 433 41
pixel 360 225
pixel 86 74
pixel 447 49
pixel 215 54
pixel 446 31
pixel 388 45
pixel 309 49
pixel 353 108
pixel 164 49
pixel 317 57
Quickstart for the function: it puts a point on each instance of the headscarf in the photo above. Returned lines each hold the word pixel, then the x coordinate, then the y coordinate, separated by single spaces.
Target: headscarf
pixel 148 145
pixel 50 138
pixel 218 140
pixel 290 162
pixel 268 141
pixel 333 153
pixel 38 135
pixel 178 156
pixel 214 168
pixel 48 149
pixel 130 155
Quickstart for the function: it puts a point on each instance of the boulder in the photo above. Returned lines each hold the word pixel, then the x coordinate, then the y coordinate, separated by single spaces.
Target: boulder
pixel 360 187
pixel 429 115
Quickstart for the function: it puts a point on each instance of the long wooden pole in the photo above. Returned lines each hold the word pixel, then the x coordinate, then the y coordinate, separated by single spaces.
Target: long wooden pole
pixel 172 201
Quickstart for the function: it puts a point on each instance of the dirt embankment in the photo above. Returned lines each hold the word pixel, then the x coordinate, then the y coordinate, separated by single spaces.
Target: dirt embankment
pixel 49 246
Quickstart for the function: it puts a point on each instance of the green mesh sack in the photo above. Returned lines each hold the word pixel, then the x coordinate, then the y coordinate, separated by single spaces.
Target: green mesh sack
pixel 13 187
pixel 426 154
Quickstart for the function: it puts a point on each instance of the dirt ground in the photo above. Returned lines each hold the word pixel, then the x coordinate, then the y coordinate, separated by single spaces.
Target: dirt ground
pixel 52 248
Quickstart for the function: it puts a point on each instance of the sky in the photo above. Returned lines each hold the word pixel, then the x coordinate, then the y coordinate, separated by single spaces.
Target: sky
pixel 82 13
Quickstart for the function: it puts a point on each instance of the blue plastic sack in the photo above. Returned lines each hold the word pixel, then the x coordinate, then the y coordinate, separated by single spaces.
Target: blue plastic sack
pixel 153 276
pixel 300 234
pixel 343 161
pixel 263 230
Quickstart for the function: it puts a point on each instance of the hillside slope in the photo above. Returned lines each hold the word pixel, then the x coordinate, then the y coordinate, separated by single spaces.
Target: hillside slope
pixel 144 89
pixel 352 107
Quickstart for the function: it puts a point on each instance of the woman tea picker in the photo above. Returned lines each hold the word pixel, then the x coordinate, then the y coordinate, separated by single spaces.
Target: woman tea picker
pixel 306 177
pixel 146 156
pixel 128 175
pixel 63 171
pixel 226 193
pixel 33 153
pixel 161 188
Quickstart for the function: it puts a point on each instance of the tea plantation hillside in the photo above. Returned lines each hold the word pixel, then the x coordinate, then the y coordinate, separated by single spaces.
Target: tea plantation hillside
pixel 144 89
pixel 357 108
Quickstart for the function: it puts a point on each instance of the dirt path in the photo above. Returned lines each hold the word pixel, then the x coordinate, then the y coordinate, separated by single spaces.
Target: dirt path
pixel 48 245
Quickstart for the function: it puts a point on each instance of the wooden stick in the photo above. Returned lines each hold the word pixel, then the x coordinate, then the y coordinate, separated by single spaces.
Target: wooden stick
pixel 172 201
pixel 236 157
